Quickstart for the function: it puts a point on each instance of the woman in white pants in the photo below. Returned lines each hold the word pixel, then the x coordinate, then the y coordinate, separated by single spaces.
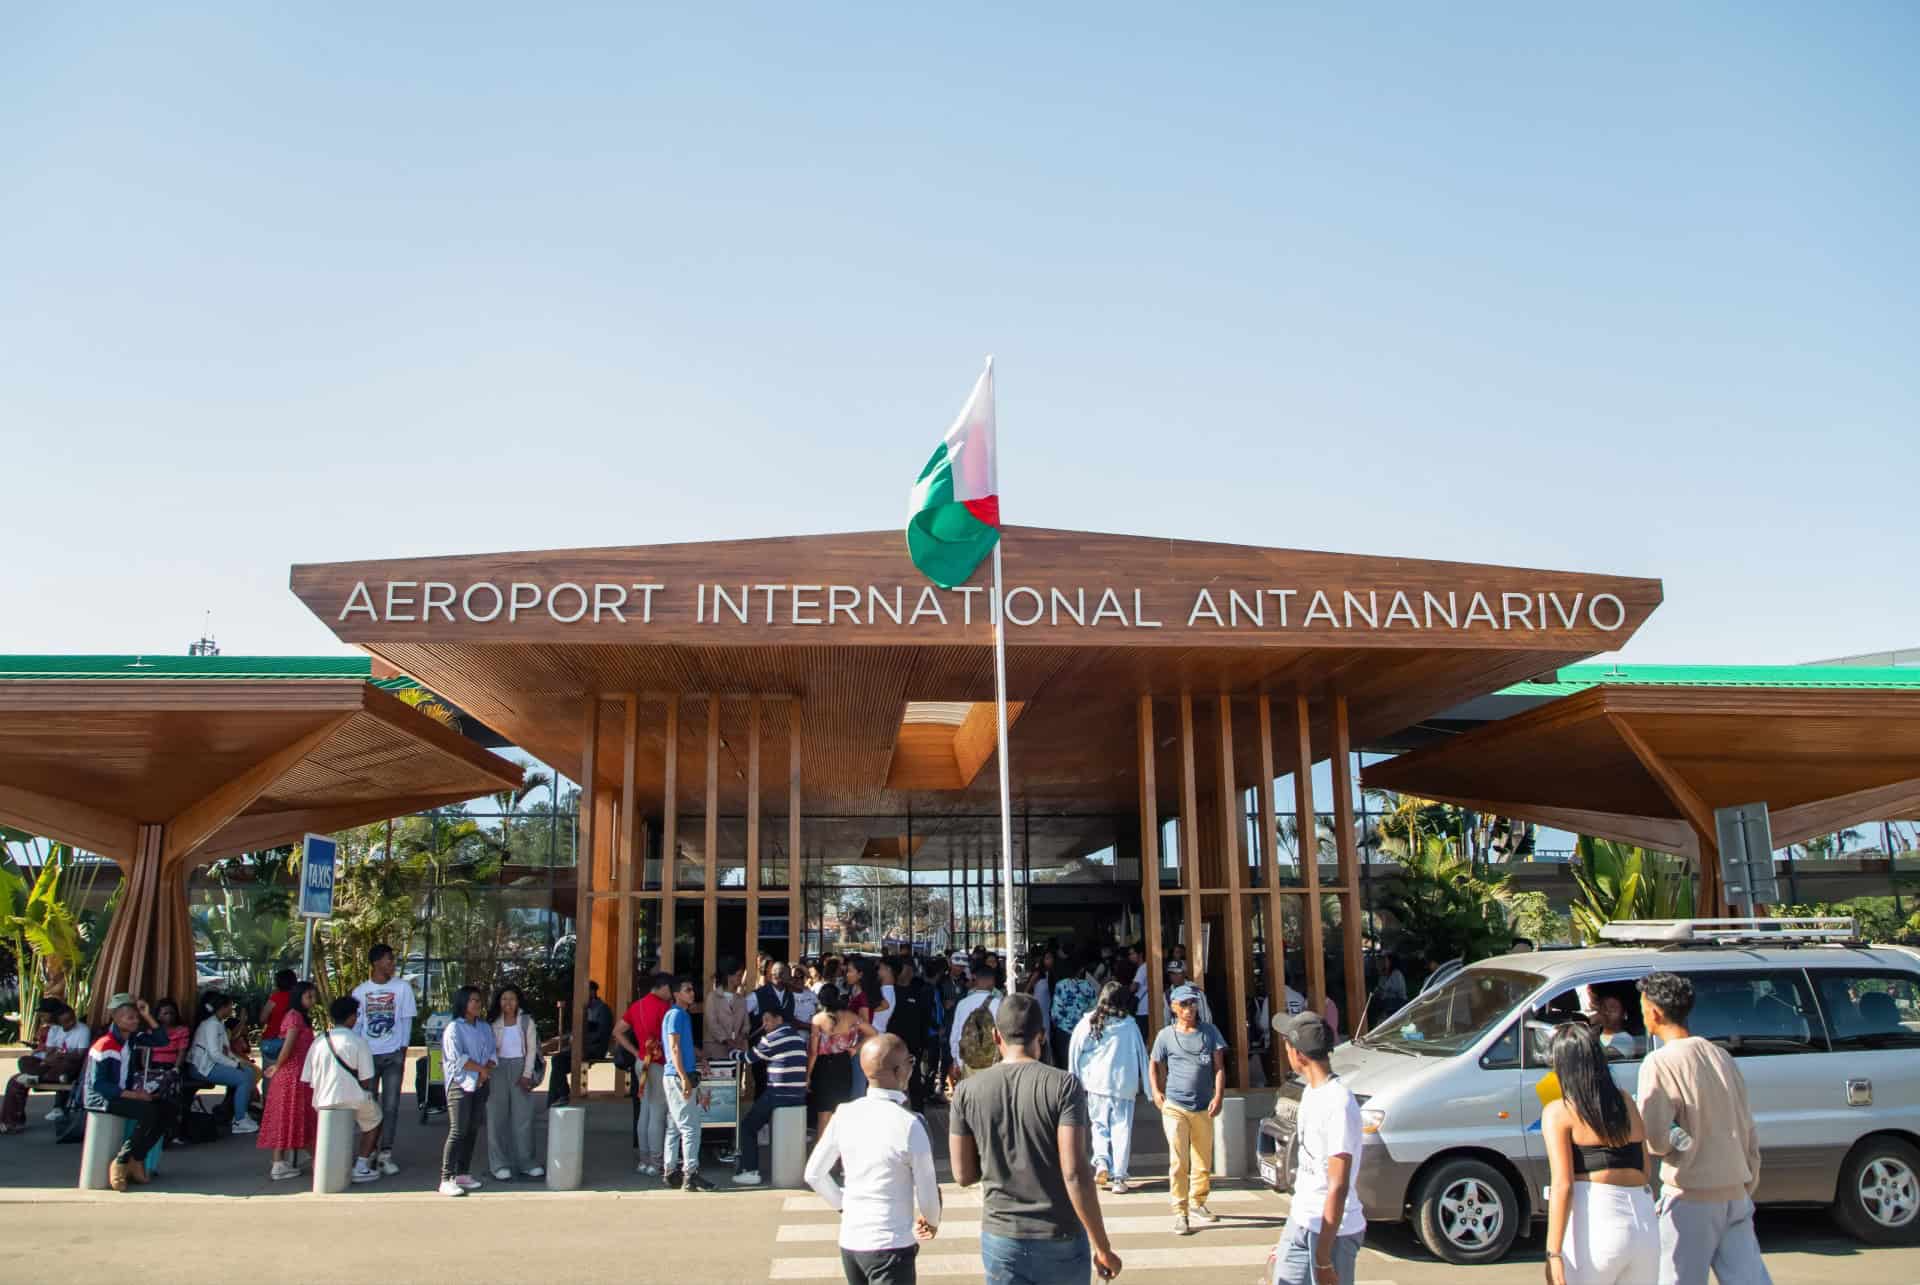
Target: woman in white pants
pixel 1109 1058
pixel 1600 1222
pixel 510 1104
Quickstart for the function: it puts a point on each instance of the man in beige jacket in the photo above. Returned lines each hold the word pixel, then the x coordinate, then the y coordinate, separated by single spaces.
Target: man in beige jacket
pixel 1708 1170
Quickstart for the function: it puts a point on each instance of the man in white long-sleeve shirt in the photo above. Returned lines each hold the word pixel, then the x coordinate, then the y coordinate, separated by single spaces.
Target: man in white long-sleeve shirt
pixel 888 1164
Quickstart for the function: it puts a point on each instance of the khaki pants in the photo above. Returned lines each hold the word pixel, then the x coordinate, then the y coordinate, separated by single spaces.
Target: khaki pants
pixel 1189 1155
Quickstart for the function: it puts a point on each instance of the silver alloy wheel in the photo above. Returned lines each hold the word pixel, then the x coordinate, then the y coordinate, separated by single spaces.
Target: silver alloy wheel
pixel 1471 1215
pixel 1889 1191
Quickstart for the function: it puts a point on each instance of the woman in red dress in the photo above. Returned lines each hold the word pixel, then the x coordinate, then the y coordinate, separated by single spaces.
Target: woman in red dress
pixel 288 1124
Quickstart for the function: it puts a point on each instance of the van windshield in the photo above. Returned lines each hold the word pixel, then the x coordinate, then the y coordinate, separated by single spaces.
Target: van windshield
pixel 1450 1018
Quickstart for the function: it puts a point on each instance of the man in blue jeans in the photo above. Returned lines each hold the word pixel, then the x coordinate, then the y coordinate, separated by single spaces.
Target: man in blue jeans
pixel 1021 1125
pixel 681 1164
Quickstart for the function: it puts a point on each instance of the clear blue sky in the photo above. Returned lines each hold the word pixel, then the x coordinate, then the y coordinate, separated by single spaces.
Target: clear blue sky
pixel 1625 290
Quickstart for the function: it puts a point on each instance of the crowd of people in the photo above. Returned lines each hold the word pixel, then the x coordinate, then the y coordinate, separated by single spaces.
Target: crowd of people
pixel 1039 1077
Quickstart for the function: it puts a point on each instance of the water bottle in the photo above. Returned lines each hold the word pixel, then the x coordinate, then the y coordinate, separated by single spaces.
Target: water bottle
pixel 1679 1139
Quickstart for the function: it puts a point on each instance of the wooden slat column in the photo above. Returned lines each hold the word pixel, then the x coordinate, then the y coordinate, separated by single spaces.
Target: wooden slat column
pixel 628 862
pixel 1306 826
pixel 794 902
pixel 1348 845
pixel 1231 824
pixel 753 837
pixel 669 835
pixel 1270 836
pixel 710 902
pixel 1150 868
pixel 583 893
pixel 1189 845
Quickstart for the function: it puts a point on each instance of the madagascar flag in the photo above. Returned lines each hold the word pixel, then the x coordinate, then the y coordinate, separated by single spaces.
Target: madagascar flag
pixel 953 518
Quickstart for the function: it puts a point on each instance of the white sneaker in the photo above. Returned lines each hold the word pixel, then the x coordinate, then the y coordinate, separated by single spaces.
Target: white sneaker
pixel 503 1175
pixel 1201 1213
pixel 452 1188
pixel 361 1173
pixel 244 1125
pixel 282 1171
pixel 747 1178
pixel 538 1171
pixel 1120 1187
pixel 651 1171
pixel 387 1166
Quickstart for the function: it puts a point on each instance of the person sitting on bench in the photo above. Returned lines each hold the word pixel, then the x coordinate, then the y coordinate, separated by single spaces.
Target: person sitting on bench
pixel 60 1052
pixel 213 1059
pixel 107 1093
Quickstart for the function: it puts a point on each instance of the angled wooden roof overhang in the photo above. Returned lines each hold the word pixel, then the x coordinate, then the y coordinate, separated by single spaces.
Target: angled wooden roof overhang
pixel 1648 765
pixel 846 632
pixel 224 766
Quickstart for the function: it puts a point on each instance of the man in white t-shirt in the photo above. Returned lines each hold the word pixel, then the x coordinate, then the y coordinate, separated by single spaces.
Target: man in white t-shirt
pixel 339 1066
pixel 1327 1139
pixel 386 1023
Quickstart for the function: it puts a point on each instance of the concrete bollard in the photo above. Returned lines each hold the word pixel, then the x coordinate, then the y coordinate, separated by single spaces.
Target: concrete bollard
pixel 333 1150
pixel 1230 1139
pixel 105 1133
pixel 789 1147
pixel 566 1147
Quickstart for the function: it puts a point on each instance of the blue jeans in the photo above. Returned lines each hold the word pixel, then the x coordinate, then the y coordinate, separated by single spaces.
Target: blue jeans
pixel 237 1082
pixel 1293 1263
pixel 1112 1121
pixel 1053 1260
pixel 683 1127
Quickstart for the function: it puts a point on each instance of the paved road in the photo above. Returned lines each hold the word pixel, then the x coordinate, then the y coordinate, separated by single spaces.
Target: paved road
pixel 510 1232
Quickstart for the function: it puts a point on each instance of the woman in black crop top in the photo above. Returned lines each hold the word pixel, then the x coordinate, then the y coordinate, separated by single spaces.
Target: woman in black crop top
pixel 1600 1221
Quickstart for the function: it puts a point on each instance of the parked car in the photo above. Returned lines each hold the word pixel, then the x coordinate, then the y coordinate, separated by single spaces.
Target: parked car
pixel 1823 1031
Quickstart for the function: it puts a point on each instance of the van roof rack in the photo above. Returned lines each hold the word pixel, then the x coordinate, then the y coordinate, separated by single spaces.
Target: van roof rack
pixel 1783 931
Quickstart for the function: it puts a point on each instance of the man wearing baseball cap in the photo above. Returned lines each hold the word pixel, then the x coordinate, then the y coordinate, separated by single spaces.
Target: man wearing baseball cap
pixel 1325 1226
pixel 1188 1067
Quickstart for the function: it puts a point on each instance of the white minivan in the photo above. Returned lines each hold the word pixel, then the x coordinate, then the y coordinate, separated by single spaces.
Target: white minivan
pixel 1824 1031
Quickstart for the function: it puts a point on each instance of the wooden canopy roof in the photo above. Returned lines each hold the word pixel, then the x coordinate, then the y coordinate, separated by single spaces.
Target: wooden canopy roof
pixel 842 630
pixel 1648 765
pixel 225 766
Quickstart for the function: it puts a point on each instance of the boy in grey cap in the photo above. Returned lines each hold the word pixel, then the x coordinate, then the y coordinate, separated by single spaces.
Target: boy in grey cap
pixel 1325 1225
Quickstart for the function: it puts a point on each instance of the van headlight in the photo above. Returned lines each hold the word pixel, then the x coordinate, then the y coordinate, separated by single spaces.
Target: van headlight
pixel 1372 1119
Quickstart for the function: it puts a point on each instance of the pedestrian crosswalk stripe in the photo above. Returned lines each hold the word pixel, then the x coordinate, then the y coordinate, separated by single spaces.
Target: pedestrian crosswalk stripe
pixel 968 1264
pixel 970 1199
pixel 956 1228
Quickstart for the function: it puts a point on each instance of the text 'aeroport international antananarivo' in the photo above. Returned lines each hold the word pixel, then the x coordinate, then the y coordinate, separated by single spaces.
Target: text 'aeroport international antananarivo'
pixel 1212 607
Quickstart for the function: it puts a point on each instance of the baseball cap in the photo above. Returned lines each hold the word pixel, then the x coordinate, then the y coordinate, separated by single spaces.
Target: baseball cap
pixel 121 999
pixel 959 957
pixel 1308 1034
pixel 1176 967
pixel 1186 993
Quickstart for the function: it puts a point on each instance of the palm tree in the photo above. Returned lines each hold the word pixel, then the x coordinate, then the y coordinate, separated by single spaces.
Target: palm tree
pixel 1619 881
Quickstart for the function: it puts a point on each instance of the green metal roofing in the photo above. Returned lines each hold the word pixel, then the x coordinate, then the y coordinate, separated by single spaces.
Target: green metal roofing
pixel 1578 678
pixel 278 668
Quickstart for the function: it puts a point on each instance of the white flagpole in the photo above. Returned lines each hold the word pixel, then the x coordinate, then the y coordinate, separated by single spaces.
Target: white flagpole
pixel 1006 789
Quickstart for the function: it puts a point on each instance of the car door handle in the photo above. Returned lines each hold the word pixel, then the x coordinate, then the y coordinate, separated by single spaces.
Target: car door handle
pixel 1859 1093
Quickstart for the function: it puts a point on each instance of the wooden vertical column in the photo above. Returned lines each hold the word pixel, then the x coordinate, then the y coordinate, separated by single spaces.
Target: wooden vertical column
pixel 629 868
pixel 1270 836
pixel 1150 868
pixel 1231 823
pixel 1348 845
pixel 753 836
pixel 1711 903
pixel 795 906
pixel 583 849
pixel 669 835
pixel 1189 845
pixel 710 901
pixel 1307 827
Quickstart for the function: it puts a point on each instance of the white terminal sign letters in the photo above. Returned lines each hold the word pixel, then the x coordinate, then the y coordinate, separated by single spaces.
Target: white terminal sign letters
pixel 1211 608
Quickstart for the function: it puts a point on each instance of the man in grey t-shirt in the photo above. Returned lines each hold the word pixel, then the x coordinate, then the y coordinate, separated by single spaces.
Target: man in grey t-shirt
pixel 1189 1069
pixel 1022 1126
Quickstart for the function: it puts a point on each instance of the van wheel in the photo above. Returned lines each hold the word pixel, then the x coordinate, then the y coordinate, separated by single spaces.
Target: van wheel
pixel 1466 1212
pixel 1879 1195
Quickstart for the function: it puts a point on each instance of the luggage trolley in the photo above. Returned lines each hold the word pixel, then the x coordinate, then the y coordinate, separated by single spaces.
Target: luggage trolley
pixel 429 1083
pixel 729 1087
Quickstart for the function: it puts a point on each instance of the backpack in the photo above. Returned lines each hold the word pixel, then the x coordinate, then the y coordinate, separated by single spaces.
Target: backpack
pixel 977 1049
